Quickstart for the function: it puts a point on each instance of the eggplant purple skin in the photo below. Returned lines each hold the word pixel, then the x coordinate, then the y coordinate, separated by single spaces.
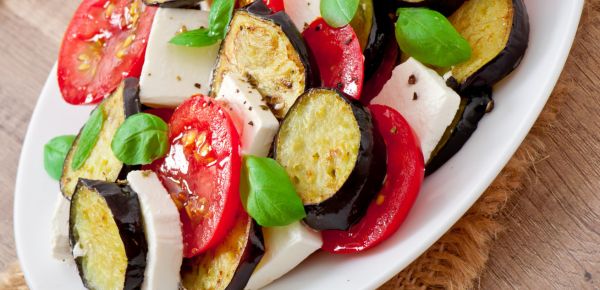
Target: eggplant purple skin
pixel 349 204
pixel 509 58
pixel 253 253
pixel 446 7
pixel 127 213
pixel 479 102
pixel 192 4
pixel 131 105
pixel 261 10
pixel 382 31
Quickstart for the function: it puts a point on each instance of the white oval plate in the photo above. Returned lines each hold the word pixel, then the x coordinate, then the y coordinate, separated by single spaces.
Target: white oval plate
pixel 445 197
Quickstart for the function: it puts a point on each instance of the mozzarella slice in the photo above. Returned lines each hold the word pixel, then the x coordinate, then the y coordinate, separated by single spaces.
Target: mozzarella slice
pixel 285 248
pixel 163 232
pixel 424 100
pixel 302 12
pixel 172 73
pixel 253 119
pixel 59 239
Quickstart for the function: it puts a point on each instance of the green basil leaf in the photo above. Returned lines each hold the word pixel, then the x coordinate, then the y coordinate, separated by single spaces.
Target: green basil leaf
pixel 268 194
pixel 218 20
pixel 219 17
pixel 141 139
pixel 195 38
pixel 88 137
pixel 338 13
pixel 430 38
pixel 55 152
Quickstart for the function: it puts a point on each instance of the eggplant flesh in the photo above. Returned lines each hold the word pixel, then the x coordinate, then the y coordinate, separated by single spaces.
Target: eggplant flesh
pixel 498 31
pixel 173 3
pixel 102 164
pixel 230 264
pixel 269 51
pixel 476 104
pixel 334 157
pixel 446 7
pixel 107 236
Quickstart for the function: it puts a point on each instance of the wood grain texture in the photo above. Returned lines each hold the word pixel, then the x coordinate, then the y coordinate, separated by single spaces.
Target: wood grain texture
pixel 553 227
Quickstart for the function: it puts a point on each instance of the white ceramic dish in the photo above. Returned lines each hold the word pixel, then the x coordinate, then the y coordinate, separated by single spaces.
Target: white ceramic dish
pixel 445 197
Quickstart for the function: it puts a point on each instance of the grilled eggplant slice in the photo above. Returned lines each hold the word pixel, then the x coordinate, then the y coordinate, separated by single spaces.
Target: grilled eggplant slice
pixel 382 31
pixel 334 157
pixel 173 3
pixel 268 50
pixel 107 235
pixel 475 104
pixel 229 265
pixel 445 7
pixel 102 163
pixel 498 31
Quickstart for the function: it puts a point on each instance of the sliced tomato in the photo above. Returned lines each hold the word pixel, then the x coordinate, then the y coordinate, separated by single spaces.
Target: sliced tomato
pixel 338 55
pixel 201 171
pixel 104 43
pixel 274 5
pixel 405 173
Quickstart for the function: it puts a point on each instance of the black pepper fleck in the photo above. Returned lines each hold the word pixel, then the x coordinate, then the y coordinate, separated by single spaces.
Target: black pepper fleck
pixel 251 123
pixel 237 91
pixel 412 80
pixel 250 108
pixel 415 96
pixel 198 85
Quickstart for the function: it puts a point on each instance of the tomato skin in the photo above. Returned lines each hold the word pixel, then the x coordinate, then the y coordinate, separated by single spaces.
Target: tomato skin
pixel 274 5
pixel 102 45
pixel 201 171
pixel 338 55
pixel 405 167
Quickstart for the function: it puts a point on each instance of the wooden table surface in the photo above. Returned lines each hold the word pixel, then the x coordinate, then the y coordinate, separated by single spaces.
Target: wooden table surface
pixel 553 227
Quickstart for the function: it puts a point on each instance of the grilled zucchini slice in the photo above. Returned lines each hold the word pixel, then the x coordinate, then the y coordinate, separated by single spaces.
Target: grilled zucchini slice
pixel 102 163
pixel 327 144
pixel 106 235
pixel 498 31
pixel 269 51
pixel 229 265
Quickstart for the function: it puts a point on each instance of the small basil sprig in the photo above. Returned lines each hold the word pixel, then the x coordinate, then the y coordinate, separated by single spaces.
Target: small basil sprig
pixel 88 137
pixel 268 194
pixel 430 38
pixel 218 19
pixel 338 13
pixel 55 152
pixel 141 139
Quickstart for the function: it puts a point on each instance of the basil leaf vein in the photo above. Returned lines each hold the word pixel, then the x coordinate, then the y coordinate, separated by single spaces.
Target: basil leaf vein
pixel 141 139
pixel 268 194
pixel 88 137
pixel 430 38
pixel 55 152
pixel 338 13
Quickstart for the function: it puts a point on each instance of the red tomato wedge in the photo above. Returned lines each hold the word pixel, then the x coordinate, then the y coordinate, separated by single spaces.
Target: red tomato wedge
pixel 338 55
pixel 201 171
pixel 274 5
pixel 405 173
pixel 104 43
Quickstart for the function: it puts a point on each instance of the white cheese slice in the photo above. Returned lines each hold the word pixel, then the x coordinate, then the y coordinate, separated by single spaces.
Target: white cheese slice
pixel 59 239
pixel 253 119
pixel 163 232
pixel 285 248
pixel 302 12
pixel 424 100
pixel 172 73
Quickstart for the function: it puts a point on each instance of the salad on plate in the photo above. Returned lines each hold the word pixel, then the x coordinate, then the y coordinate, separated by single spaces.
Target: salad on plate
pixel 233 139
